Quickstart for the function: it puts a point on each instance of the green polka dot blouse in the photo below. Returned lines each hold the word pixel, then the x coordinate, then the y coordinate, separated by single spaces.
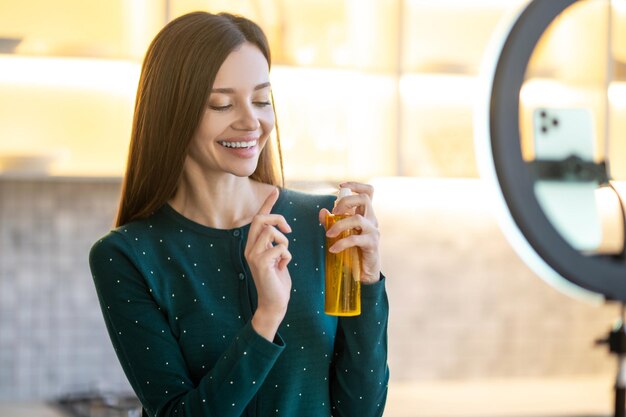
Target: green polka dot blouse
pixel 177 298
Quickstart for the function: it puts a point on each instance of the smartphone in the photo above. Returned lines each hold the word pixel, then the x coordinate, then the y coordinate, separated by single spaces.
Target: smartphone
pixel 559 133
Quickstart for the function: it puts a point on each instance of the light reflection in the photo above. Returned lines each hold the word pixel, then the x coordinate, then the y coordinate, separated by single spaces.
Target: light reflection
pixel 108 76
pixel 548 93
pixel 617 94
pixel 438 89
pixel 343 119
pixel 619 6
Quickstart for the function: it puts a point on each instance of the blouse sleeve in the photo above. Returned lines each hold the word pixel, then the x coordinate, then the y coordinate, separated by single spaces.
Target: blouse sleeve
pixel 149 352
pixel 360 373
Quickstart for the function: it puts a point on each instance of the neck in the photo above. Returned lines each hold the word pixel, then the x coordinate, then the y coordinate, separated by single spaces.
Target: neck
pixel 221 202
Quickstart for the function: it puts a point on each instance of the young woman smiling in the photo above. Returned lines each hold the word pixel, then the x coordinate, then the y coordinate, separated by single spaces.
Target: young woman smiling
pixel 212 282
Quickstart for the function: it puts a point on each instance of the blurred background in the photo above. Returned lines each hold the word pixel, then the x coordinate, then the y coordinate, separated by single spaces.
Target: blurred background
pixel 381 91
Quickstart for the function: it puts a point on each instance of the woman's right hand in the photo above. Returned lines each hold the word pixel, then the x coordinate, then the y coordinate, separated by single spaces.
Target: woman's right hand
pixel 267 255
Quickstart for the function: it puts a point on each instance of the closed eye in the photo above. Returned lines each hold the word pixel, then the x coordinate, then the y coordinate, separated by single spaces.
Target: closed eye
pixel 260 104
pixel 221 108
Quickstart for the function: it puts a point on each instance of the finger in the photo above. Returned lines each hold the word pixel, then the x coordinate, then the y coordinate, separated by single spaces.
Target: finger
pixel 356 222
pixel 285 258
pixel 278 256
pixel 322 216
pixel 276 220
pixel 366 242
pixel 260 221
pixel 269 202
pixel 359 204
pixel 263 237
pixel 359 188
pixel 348 204
pixel 269 237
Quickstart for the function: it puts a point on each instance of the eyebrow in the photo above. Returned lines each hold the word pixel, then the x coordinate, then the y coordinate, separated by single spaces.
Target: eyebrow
pixel 232 91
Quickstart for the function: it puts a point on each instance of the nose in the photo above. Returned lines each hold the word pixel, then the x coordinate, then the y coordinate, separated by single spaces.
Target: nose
pixel 247 119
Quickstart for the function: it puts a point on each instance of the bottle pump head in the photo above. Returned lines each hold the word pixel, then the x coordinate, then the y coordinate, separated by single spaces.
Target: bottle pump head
pixel 343 192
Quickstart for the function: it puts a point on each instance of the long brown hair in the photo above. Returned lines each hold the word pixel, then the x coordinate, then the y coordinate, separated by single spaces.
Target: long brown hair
pixel 176 77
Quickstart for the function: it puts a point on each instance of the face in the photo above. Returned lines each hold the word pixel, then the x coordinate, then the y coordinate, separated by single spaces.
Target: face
pixel 238 117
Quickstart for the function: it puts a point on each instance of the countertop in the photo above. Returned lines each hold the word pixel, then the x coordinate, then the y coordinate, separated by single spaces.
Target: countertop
pixel 29 409
pixel 574 396
pixel 560 397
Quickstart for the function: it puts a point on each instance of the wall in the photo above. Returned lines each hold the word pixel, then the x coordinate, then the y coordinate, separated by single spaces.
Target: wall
pixel 52 337
pixel 463 306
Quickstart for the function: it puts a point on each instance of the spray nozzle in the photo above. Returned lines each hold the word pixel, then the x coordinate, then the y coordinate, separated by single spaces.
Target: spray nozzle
pixel 344 192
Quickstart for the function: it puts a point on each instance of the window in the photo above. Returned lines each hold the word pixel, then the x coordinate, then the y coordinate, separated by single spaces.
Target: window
pixel 363 88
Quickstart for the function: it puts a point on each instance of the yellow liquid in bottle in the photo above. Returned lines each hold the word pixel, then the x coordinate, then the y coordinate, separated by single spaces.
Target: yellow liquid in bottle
pixel 343 270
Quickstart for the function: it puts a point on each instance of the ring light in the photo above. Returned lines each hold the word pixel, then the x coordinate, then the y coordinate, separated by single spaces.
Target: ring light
pixel 499 156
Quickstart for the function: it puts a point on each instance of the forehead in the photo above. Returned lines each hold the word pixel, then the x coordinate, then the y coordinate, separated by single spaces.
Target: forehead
pixel 244 67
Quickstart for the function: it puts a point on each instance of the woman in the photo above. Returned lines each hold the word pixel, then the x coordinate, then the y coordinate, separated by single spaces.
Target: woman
pixel 211 285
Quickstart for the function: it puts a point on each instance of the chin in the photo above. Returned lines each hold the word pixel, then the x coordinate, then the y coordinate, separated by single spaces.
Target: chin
pixel 244 172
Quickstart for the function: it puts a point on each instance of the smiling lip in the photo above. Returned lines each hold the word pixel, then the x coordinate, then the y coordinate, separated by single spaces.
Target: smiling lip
pixel 239 143
pixel 244 147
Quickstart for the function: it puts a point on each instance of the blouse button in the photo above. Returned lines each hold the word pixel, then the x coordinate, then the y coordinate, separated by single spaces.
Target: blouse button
pixel 241 276
pixel 236 233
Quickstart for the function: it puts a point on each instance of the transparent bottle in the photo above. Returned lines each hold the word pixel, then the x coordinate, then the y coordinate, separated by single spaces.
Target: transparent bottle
pixel 343 272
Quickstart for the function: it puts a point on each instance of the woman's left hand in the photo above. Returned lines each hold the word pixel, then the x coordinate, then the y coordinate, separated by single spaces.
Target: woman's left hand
pixel 364 220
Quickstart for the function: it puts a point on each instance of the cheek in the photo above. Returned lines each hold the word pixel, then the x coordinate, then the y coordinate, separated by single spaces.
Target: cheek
pixel 267 123
pixel 212 125
pixel 207 132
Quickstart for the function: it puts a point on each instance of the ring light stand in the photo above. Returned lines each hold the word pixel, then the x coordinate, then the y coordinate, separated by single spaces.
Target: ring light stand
pixel 502 167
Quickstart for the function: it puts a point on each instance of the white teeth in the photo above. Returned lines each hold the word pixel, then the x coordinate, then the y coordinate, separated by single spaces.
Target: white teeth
pixel 238 144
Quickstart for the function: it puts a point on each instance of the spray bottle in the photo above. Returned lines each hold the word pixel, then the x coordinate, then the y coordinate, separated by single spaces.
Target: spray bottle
pixel 343 271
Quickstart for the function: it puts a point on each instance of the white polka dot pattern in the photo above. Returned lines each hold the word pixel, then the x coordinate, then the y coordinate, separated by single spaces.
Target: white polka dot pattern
pixel 179 308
